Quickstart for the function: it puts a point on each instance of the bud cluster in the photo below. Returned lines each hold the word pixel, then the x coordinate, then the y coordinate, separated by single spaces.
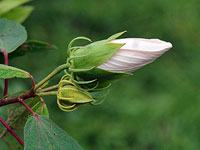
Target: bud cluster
pixel 94 67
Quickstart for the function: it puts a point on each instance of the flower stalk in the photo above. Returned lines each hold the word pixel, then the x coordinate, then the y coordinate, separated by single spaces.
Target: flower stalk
pixel 51 75
pixel 47 93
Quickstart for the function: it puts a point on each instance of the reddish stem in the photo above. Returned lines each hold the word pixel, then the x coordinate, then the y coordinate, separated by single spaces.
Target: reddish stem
pixel 27 107
pixel 11 131
pixel 7 101
pixel 6 80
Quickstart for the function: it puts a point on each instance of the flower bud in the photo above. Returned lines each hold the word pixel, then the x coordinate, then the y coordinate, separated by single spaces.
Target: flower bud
pixel 84 61
pixel 104 61
pixel 136 53
pixel 69 96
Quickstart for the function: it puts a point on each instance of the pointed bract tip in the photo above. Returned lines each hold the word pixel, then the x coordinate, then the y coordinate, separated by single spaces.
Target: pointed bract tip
pixel 113 37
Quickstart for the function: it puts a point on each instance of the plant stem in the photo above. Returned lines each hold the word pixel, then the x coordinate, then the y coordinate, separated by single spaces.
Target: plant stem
pixel 27 95
pixel 47 93
pixel 49 88
pixel 51 75
pixel 27 107
pixel 11 131
pixel 5 54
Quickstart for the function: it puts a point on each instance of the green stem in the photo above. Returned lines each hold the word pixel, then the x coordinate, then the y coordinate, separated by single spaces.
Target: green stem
pixel 47 93
pixel 49 88
pixel 51 75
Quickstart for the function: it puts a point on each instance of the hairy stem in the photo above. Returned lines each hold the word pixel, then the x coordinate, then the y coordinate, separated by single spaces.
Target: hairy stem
pixel 51 75
pixel 11 131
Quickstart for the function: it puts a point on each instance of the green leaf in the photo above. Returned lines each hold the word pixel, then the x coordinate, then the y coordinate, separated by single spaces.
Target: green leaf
pixel 12 35
pixel 18 14
pixel 30 46
pixel 18 114
pixel 41 133
pixel 41 108
pixel 12 72
pixel 7 5
pixel 8 142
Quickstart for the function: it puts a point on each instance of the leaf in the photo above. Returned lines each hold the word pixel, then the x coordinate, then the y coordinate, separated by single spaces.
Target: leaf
pixel 7 5
pixel 12 72
pixel 41 108
pixel 30 46
pixel 18 114
pixel 10 143
pixel 12 35
pixel 18 14
pixel 41 133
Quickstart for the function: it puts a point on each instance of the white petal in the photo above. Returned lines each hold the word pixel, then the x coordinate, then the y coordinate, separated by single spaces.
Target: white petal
pixel 134 54
pixel 143 44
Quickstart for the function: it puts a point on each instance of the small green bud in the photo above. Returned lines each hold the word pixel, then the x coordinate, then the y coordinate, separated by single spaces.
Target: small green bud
pixel 69 96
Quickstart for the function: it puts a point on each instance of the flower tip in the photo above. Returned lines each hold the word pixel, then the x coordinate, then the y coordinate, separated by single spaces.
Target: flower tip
pixel 170 45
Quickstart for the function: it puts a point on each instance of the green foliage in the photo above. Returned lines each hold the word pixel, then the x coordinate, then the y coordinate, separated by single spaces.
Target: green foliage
pixel 41 133
pixel 7 5
pixel 158 107
pixel 12 72
pixel 12 10
pixel 30 46
pixel 18 14
pixel 12 35
pixel 8 142
pixel 40 108
pixel 155 109
pixel 18 114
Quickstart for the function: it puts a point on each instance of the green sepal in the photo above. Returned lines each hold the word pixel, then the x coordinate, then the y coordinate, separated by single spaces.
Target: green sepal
pixel 85 60
pixel 70 48
pixel 113 37
pixel 94 54
pixel 99 74
pixel 104 78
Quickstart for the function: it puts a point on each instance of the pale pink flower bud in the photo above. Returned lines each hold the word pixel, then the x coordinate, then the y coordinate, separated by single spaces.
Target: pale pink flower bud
pixel 136 53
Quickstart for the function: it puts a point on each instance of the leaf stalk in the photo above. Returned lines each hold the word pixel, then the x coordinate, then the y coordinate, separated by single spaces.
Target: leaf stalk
pixel 11 131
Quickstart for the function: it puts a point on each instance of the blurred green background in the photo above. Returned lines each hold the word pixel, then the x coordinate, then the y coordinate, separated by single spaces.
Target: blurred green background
pixel 155 109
